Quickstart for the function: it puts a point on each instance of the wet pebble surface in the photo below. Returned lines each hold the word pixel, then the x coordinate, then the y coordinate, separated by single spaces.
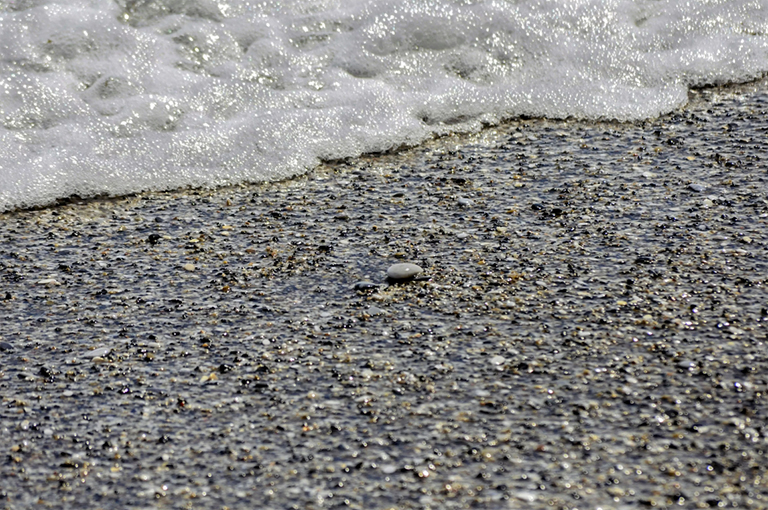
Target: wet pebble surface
pixel 591 334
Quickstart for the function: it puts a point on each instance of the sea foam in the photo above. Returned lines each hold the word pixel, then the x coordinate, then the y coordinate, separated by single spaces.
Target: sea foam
pixel 115 97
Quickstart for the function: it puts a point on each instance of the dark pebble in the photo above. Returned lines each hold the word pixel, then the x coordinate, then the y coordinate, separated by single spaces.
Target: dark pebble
pixel 366 286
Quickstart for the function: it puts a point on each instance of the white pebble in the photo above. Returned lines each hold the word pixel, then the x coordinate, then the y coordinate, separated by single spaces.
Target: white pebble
pixel 98 353
pixel 403 271
pixel 528 497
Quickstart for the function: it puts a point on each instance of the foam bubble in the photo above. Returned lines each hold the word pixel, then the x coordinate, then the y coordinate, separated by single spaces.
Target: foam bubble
pixel 117 97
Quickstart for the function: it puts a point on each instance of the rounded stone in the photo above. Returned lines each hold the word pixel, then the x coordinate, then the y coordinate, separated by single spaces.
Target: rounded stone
pixel 498 360
pixel 404 271
pixel 98 353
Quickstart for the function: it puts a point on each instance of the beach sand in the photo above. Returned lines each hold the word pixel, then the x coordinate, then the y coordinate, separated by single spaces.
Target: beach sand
pixel 589 330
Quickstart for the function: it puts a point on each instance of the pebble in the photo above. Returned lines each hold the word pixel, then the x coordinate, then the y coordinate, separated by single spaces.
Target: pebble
pixel 48 281
pixel 403 271
pixel 528 497
pixel 697 187
pixel 366 285
pixel 98 353
pixel 465 202
pixel 189 267
pixel 5 346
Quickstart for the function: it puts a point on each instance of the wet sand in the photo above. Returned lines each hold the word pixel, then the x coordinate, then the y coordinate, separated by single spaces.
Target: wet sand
pixel 589 330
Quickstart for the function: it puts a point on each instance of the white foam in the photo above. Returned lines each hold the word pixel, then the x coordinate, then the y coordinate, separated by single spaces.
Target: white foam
pixel 98 96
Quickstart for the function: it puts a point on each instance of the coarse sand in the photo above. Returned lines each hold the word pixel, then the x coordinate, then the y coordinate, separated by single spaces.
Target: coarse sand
pixel 589 329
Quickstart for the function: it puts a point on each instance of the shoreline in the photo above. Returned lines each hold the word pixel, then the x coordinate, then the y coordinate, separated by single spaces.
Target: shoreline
pixel 591 329
pixel 695 95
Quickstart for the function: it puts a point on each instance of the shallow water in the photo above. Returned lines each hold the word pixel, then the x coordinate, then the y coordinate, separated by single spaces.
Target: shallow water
pixel 101 97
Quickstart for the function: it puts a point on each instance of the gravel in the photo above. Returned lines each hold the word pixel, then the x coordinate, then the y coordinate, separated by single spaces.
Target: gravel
pixel 590 332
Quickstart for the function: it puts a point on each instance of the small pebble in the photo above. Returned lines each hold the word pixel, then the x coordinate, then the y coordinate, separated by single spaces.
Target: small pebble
pixel 5 346
pixel 498 360
pixel 388 469
pixel 189 267
pixel 366 285
pixel 465 202
pixel 528 497
pixel 403 271
pixel 697 187
pixel 98 353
